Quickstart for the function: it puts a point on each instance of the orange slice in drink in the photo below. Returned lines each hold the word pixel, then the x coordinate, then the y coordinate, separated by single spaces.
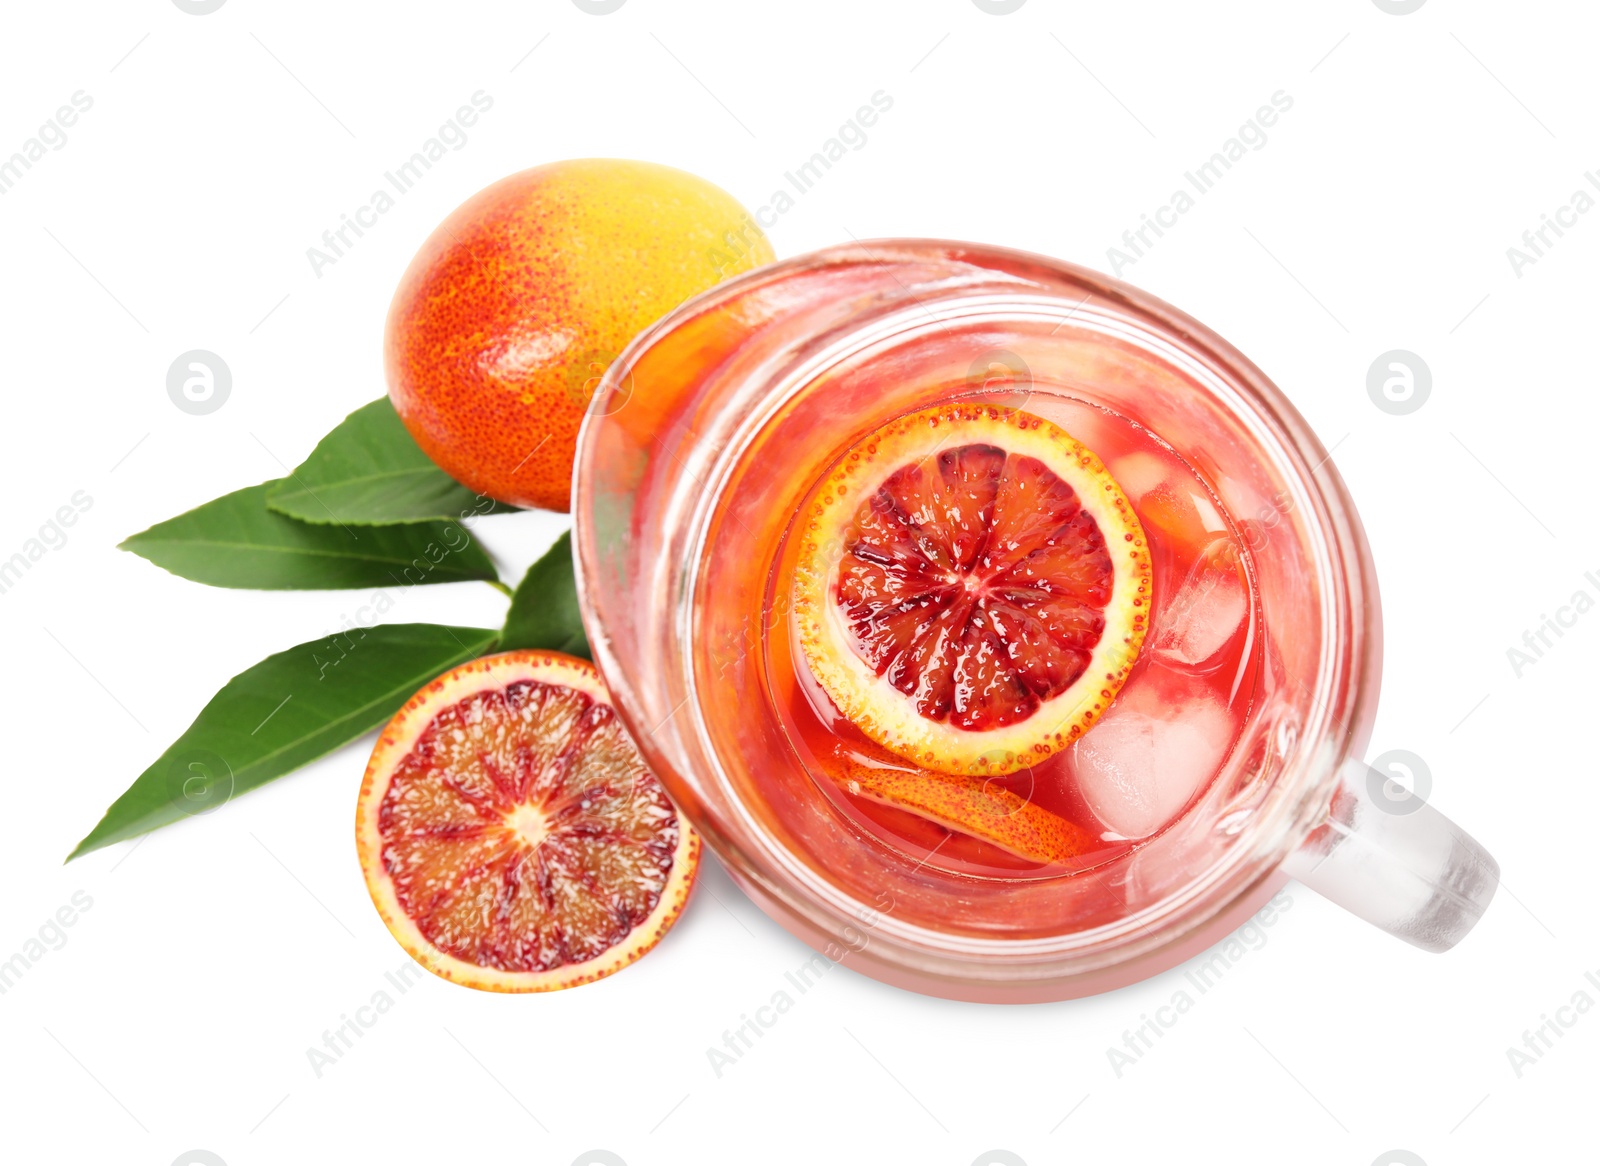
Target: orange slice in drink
pixel 974 806
pixel 511 837
pixel 972 588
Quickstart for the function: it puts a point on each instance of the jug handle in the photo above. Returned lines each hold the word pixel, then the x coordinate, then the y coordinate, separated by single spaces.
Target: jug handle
pixel 1385 854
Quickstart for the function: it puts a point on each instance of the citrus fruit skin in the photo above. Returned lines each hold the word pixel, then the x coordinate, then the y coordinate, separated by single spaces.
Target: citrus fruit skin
pixel 973 806
pixel 414 872
pixel 510 313
pixel 972 588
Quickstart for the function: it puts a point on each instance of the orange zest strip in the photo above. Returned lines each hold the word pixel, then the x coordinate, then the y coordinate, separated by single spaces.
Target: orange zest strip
pixel 975 806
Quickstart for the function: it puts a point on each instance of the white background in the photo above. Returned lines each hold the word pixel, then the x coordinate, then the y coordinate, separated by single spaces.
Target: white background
pixel 177 216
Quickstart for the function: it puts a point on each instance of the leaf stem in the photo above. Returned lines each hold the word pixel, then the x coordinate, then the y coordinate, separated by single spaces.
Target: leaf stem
pixel 499 586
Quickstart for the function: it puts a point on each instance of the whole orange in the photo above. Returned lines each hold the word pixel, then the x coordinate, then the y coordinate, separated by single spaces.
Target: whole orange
pixel 512 310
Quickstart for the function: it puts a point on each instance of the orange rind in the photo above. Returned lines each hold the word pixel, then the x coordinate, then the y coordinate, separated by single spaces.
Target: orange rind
pixel 975 806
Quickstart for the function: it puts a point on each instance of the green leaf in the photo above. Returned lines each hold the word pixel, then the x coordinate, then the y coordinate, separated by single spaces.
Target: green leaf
pixel 544 609
pixel 235 541
pixel 286 711
pixel 369 471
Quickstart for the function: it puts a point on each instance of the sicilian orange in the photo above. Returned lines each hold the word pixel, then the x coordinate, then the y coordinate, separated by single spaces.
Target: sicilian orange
pixel 511 836
pixel 515 306
pixel 972 588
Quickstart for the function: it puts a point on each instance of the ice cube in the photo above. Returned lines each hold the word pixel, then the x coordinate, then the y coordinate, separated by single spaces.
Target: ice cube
pixel 1207 510
pixel 1169 499
pixel 1149 755
pixel 1138 473
pixel 1195 624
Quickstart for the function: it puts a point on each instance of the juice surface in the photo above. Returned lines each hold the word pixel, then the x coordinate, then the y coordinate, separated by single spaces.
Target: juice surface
pixel 1164 737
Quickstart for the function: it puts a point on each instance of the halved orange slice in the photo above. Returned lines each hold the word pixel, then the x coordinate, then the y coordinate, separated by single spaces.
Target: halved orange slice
pixel 972 588
pixel 511 837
